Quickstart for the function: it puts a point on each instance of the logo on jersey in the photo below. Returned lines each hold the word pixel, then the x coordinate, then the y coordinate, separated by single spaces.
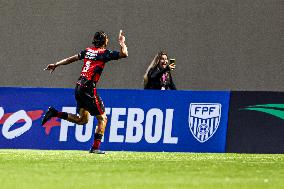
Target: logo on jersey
pixel 204 119
pixel 92 55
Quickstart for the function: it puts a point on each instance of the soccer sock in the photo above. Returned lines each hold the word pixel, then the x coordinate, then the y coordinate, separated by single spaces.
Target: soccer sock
pixel 97 141
pixel 62 115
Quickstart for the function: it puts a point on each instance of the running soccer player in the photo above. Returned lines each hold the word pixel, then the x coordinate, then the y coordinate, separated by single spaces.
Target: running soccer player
pixel 88 100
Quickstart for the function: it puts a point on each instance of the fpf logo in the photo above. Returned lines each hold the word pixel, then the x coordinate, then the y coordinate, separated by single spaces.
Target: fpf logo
pixel 204 119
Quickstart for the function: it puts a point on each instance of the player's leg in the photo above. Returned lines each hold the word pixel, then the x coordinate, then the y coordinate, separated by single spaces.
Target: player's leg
pixel 99 132
pixel 99 111
pixel 80 119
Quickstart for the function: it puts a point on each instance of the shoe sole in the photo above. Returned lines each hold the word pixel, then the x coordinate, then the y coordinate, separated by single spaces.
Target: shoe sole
pixel 48 115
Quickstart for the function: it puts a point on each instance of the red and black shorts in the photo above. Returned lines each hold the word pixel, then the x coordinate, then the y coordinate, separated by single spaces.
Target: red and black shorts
pixel 87 97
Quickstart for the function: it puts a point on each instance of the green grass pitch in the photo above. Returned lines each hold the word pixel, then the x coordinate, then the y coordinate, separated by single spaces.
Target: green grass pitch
pixel 145 170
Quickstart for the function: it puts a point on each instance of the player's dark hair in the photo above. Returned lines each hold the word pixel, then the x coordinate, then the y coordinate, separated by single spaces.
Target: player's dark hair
pixel 99 39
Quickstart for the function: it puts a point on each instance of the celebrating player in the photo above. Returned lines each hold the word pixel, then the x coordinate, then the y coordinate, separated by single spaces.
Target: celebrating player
pixel 88 100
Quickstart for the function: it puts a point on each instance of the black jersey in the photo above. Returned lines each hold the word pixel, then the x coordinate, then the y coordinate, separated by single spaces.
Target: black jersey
pixel 94 62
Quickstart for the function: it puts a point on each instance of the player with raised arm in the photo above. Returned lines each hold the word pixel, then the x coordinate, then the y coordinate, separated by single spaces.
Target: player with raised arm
pixel 88 100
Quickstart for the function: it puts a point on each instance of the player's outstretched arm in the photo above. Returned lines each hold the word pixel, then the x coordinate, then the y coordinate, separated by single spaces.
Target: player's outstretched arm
pixel 65 61
pixel 123 48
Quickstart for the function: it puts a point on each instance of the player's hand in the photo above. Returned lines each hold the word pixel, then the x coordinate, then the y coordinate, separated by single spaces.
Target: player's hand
pixel 51 67
pixel 121 38
pixel 172 66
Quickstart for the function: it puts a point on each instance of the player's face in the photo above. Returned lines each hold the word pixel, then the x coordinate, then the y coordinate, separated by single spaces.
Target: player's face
pixel 163 61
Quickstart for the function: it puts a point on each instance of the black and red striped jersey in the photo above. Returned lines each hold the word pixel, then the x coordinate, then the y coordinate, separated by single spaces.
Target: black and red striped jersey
pixel 94 61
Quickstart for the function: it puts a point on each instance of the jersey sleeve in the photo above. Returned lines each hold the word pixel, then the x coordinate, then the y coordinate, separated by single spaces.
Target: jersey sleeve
pixel 82 54
pixel 111 55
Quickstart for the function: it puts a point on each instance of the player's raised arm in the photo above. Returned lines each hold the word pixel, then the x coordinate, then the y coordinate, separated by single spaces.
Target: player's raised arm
pixel 123 48
pixel 65 61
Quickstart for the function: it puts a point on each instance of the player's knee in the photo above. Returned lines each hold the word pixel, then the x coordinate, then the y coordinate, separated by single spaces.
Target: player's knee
pixel 82 120
pixel 105 119
pixel 102 119
pixel 102 122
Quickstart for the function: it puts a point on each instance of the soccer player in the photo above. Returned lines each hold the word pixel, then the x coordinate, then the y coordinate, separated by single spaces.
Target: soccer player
pixel 88 100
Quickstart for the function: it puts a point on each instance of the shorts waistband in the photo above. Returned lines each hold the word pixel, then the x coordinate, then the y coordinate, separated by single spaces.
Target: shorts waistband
pixel 84 82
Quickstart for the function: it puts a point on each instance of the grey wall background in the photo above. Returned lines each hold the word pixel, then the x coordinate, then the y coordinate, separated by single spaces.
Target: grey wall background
pixel 218 44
